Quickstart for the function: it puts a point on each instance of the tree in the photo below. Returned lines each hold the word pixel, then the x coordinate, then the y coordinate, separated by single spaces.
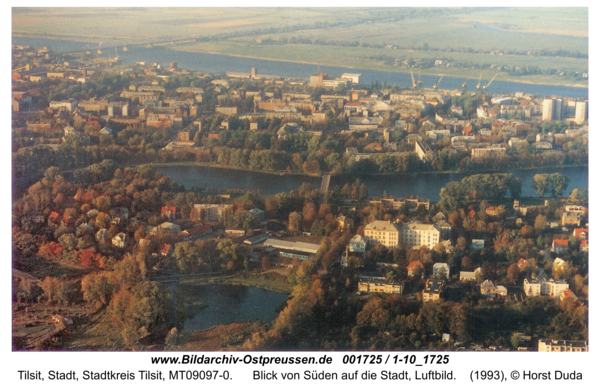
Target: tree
pixel 294 221
pixel 540 184
pixel 97 288
pixel 466 263
pixel 579 195
pixel 540 224
pixel 265 263
pixel 54 289
pixel 558 184
pixel 554 183
pixel 512 273
pixel 153 307
pixel 187 256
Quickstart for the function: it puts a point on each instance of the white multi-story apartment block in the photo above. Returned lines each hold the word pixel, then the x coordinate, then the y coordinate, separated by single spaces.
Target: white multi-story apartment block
pixel 68 105
pixel 382 232
pixel 581 112
pixel 552 109
pixel 415 234
pixel 209 212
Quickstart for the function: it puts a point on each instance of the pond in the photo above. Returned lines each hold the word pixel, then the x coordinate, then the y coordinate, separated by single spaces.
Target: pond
pixel 223 303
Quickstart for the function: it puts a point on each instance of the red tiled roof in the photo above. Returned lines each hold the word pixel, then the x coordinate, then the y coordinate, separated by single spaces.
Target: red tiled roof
pixel 561 243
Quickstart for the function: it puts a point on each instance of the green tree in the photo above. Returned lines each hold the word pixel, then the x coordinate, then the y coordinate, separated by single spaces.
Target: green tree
pixel 540 184
pixel 187 256
pixel 558 184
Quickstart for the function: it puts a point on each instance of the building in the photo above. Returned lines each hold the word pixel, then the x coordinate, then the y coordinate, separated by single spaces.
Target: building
pixel 415 234
pixel 551 345
pixel 288 129
pixel 195 232
pixel 296 245
pixel 357 244
pixel 169 211
pixel 570 219
pixel 540 285
pixel 552 109
pixel 353 77
pixel 470 275
pixel 257 214
pixel 415 268
pixel 434 290
pixel 488 289
pixel 411 202
pixel 209 212
pixel 379 285
pixel 581 112
pixel 119 240
pixel 421 149
pixel 67 105
pixel 294 250
pixel 560 246
pixel 169 228
pixel 582 234
pixel 477 153
pixel 382 232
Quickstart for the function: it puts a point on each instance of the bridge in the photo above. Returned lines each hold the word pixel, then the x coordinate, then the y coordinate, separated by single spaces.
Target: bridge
pixel 325 183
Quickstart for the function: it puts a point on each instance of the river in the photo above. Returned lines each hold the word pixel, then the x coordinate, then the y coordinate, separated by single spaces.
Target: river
pixel 228 303
pixel 427 185
pixel 219 63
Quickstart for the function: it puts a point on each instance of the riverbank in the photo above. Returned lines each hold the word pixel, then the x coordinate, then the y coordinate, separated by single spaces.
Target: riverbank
pixel 263 282
pixel 347 175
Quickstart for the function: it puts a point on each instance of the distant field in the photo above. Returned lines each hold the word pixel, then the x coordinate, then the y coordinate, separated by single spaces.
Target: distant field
pixel 239 30
pixel 510 28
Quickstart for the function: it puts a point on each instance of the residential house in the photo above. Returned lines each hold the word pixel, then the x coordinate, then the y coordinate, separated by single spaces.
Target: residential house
pixel 560 246
pixel 415 268
pixel 580 233
pixel 489 289
pixel 357 244
pixel 102 235
pixel 165 249
pixel 169 211
pixel 470 275
pixel 434 290
pixel 540 285
pixel 522 264
pixel 120 240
